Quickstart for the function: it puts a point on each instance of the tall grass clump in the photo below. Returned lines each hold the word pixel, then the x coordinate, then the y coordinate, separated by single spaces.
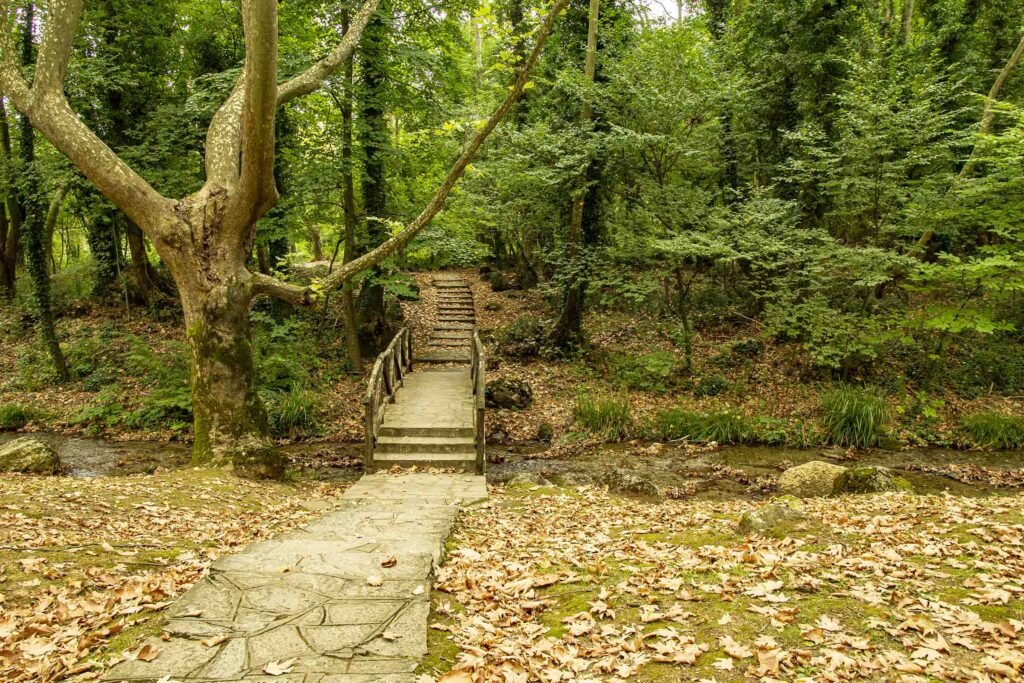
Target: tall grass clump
pixel 994 430
pixel 722 427
pixel 853 417
pixel 604 416
pixel 292 413
pixel 15 416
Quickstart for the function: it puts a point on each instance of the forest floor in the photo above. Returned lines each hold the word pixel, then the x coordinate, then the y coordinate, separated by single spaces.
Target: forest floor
pixel 88 565
pixel 549 584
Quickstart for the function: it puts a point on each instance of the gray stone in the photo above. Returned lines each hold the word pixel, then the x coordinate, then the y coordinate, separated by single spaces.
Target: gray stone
pixel 810 480
pixel 776 517
pixel 623 481
pixel 28 456
pixel 870 480
pixel 509 394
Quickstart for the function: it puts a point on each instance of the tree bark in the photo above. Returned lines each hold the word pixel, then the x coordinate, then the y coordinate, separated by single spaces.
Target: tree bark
pixel 568 331
pixel 906 22
pixel 34 225
pixel 10 234
pixel 348 302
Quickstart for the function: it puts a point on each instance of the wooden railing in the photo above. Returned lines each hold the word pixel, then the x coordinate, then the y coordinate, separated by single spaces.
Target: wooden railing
pixel 385 379
pixel 477 371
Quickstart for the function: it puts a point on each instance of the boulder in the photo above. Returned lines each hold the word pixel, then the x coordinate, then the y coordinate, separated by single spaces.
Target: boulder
pixel 623 481
pixel 29 456
pixel 512 394
pixel 811 479
pixel 769 518
pixel 870 480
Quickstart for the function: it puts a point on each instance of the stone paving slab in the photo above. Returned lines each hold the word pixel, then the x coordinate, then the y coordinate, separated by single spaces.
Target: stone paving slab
pixel 307 594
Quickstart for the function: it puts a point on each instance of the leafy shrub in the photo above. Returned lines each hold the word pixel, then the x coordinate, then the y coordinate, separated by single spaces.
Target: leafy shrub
pixel 991 364
pixel 607 417
pixel 710 385
pixel 721 426
pixel 853 417
pixel 15 416
pixel 739 353
pixel 994 430
pixel 292 413
pixel 168 402
pixel 658 371
pixel 523 338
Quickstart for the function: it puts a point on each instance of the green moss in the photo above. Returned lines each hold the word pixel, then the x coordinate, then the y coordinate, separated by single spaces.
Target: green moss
pixel 441 647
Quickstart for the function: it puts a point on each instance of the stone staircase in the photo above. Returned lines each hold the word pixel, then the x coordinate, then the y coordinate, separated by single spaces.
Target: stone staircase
pixel 450 340
pixel 432 418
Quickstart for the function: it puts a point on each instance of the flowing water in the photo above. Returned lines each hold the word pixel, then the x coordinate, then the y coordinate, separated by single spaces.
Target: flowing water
pixel 640 468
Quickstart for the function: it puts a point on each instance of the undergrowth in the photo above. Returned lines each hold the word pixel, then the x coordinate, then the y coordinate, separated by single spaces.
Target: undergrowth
pixel 853 416
pixel 994 430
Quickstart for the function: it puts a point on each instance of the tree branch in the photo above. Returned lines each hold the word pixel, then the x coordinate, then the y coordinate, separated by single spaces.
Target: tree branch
pixel 47 109
pixel 312 79
pixel 398 241
pixel 257 192
pixel 223 138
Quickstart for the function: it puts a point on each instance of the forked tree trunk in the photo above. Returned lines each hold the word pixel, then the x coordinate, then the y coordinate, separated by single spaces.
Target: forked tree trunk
pixel 230 420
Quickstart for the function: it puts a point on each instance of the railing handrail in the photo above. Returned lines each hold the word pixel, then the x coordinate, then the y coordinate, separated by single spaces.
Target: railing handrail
pixel 477 371
pixel 385 378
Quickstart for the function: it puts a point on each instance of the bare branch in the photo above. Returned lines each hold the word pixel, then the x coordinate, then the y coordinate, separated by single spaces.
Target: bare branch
pixel 223 138
pixel 398 241
pixel 312 79
pixel 271 286
pixel 47 109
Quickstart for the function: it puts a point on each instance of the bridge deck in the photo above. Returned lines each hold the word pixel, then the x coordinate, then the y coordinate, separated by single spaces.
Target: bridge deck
pixel 431 421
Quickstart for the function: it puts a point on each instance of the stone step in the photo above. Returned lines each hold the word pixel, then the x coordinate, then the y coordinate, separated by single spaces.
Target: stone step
pixel 445 432
pixel 447 341
pixel 456 319
pixel 456 309
pixel 443 357
pixel 452 284
pixel 451 334
pixel 457 461
pixel 453 326
pixel 424 444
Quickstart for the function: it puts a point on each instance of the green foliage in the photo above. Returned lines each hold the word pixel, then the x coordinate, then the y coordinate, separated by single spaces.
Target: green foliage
pixel 292 413
pixel 166 402
pixel 658 371
pixel 854 416
pixel 607 417
pixel 994 430
pixel 15 416
pixel 710 385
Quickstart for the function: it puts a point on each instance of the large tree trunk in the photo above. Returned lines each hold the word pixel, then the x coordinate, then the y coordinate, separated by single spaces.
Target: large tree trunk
pixel 230 420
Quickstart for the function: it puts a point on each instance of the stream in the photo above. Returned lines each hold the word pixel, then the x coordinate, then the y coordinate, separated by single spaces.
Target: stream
pixel 633 468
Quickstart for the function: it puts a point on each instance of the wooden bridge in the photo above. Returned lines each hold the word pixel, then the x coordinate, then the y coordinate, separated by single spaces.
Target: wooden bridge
pixel 433 415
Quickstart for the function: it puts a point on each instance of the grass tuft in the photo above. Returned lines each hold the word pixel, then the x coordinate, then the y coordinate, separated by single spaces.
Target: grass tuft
pixel 721 427
pixel 15 416
pixel 854 417
pixel 607 417
pixel 994 430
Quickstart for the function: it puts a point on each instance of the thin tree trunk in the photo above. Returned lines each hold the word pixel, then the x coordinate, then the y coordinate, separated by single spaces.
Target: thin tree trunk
pixel 988 115
pixel 348 302
pixel 10 239
pixel 568 331
pixel 142 270
pixel 34 225
pixel 907 22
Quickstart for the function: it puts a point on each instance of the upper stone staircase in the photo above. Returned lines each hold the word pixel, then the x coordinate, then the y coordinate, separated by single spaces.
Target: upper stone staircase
pixel 431 417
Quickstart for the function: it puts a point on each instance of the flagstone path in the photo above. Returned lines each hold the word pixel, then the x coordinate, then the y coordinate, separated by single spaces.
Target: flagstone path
pixel 344 599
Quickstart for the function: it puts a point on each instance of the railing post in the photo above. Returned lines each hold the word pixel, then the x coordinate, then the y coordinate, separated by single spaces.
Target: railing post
pixel 370 424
